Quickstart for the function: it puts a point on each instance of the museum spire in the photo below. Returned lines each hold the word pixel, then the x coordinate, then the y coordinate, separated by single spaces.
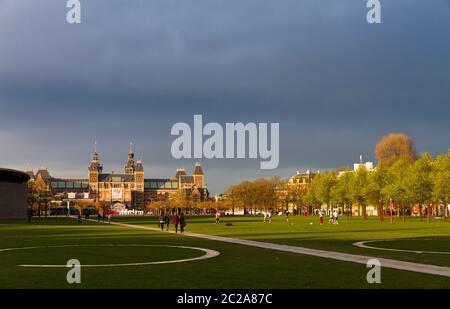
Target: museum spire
pixel 95 162
pixel 130 166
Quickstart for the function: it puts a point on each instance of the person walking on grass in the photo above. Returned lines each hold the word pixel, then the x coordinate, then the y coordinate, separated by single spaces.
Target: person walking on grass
pixel 29 214
pixel 335 217
pixel 162 221
pixel 217 217
pixel 176 222
pixel 321 217
pixel 182 222
pixel 166 221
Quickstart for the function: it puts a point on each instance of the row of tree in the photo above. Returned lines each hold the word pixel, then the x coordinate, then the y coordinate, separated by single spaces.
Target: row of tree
pixel 405 183
pixel 258 194
pixel 424 183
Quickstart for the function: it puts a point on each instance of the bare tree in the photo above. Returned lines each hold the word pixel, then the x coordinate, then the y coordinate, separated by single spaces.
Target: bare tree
pixel 393 147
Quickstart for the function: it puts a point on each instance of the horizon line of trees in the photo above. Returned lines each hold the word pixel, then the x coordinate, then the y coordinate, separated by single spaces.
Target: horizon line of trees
pixel 404 183
pixel 423 182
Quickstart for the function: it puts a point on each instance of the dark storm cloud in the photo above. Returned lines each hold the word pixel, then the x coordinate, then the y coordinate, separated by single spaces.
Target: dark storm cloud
pixel 133 68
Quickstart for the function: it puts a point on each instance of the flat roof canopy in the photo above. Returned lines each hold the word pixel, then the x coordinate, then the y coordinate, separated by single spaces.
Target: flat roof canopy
pixel 13 176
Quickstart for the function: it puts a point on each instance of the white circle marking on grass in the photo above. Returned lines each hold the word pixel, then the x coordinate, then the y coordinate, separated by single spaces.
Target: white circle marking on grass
pixel 208 254
pixel 362 244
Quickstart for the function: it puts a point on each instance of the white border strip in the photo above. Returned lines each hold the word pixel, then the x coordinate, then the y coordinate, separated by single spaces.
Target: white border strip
pixel 362 244
pixel 208 254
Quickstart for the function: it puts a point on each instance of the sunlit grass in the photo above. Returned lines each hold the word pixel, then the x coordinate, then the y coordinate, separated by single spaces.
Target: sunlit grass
pixel 306 232
pixel 237 266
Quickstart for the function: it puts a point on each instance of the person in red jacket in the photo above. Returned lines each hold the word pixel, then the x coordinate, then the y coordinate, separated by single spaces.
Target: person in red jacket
pixel 176 221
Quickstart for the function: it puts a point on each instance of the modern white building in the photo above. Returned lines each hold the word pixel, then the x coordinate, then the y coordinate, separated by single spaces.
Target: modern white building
pixel 368 165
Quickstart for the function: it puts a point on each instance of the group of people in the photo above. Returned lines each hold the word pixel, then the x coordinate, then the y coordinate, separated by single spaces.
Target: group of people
pixel 178 220
pixel 334 217
pixel 267 216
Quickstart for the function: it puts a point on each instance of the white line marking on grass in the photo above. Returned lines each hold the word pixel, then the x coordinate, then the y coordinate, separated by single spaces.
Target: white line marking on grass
pixel 208 254
pixel 340 256
pixel 362 244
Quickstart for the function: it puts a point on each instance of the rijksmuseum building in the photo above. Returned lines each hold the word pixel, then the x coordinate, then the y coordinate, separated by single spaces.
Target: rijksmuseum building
pixel 129 189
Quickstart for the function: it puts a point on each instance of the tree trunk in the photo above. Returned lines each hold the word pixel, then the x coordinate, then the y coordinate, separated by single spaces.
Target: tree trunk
pixel 395 211
pixel 445 211
pixel 380 211
pixel 390 210
pixel 404 212
pixel 429 209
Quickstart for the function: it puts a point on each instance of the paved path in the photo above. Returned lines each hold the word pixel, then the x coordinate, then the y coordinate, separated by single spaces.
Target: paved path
pixel 346 257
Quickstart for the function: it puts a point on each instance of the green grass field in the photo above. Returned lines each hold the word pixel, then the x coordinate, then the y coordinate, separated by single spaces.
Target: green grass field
pixel 411 235
pixel 237 266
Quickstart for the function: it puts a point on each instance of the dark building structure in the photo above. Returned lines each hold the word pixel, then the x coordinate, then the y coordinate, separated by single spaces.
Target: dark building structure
pixel 13 194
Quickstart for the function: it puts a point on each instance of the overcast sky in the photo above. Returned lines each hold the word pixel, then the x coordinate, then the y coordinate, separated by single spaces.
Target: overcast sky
pixel 133 68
